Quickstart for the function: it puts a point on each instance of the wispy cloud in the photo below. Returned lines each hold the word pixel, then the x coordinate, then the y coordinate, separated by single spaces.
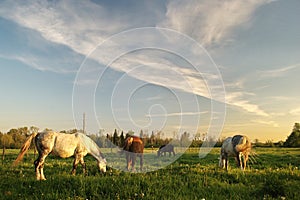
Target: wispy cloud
pixel 239 99
pixel 295 111
pixel 77 25
pixel 264 122
pixel 84 24
pixel 274 73
pixel 177 114
pixel 212 22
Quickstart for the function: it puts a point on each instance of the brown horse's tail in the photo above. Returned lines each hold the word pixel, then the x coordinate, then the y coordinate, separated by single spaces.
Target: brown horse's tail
pixel 245 145
pixel 24 149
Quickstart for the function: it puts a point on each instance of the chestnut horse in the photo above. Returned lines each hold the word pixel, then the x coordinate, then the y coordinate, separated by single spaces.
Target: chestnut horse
pixel 237 146
pixel 134 147
pixel 64 146
pixel 166 148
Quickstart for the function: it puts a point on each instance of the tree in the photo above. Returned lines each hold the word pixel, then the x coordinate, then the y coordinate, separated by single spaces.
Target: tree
pixel 18 135
pixel 296 127
pixel 116 138
pixel 6 140
pixel 122 139
pixel 293 139
pixel 184 140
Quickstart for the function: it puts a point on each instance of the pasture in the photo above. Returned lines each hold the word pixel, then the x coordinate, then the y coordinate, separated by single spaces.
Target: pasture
pixel 274 175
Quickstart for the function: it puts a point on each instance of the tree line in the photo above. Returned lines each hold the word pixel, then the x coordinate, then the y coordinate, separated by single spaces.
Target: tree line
pixel 15 137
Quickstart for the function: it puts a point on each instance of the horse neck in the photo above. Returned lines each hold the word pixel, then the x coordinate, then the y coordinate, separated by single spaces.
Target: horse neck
pixel 91 147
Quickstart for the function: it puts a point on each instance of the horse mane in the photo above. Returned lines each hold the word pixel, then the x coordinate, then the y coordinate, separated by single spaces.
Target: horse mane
pixel 24 149
pixel 90 145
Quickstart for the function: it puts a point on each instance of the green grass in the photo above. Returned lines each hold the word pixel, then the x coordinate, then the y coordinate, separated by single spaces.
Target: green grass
pixel 274 175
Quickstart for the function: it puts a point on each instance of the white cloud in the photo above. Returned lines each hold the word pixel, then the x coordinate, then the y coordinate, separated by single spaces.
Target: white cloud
pixel 83 25
pixel 274 73
pixel 238 99
pixel 295 111
pixel 80 25
pixel 177 114
pixel 271 123
pixel 210 22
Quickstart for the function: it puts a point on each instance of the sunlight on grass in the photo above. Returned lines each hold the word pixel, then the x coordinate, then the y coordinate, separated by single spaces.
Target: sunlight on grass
pixel 271 177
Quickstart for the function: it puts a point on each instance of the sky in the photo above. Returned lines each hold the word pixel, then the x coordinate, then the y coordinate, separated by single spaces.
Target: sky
pixel 217 67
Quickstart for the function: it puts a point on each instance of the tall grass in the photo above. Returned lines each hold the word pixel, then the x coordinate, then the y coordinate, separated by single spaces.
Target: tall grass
pixel 275 175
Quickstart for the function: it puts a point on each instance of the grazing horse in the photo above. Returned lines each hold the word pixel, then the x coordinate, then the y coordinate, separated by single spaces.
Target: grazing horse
pixel 134 147
pixel 64 146
pixel 236 146
pixel 166 148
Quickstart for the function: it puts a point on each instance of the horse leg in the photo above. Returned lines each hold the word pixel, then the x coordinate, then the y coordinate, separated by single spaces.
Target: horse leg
pixel 128 160
pixel 246 156
pixel 239 160
pixel 39 167
pixel 42 172
pixel 75 163
pixel 226 163
pixel 141 162
pixel 133 158
pixel 173 153
pixel 83 166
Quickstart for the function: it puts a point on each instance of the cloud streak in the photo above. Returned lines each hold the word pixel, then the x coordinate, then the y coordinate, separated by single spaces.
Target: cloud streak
pixel 280 72
pixel 177 114
pixel 81 25
pixel 271 123
pixel 210 23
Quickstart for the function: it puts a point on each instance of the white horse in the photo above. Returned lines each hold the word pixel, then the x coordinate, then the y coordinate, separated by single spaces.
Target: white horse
pixel 64 146
pixel 237 146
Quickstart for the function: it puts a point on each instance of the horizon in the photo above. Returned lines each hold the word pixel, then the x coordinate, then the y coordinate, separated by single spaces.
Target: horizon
pixel 215 67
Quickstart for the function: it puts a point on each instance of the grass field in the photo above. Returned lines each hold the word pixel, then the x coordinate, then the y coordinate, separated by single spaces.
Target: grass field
pixel 274 175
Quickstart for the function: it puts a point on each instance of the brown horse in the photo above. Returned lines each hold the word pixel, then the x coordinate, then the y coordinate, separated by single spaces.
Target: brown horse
pixel 164 149
pixel 237 146
pixel 64 146
pixel 134 147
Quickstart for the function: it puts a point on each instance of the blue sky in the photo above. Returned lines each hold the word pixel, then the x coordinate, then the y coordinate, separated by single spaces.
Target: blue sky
pixel 222 67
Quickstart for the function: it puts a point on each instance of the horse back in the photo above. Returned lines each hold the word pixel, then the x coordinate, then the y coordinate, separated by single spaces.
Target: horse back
pixel 59 144
pixel 134 144
pixel 166 148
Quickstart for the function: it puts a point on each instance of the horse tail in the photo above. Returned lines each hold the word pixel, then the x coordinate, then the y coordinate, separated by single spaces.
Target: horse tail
pixel 24 149
pixel 244 145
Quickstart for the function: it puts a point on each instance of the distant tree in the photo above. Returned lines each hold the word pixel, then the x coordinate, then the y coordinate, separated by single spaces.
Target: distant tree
pixel 144 137
pixel 115 138
pixel 122 139
pixel 18 135
pixel 108 137
pixel 6 141
pixel 293 139
pixel 184 139
pixel 130 133
pixel 269 143
pixel 296 127
pixel 152 139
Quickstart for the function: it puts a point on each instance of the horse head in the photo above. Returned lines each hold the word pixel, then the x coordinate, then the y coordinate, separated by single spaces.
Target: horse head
pixel 102 165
